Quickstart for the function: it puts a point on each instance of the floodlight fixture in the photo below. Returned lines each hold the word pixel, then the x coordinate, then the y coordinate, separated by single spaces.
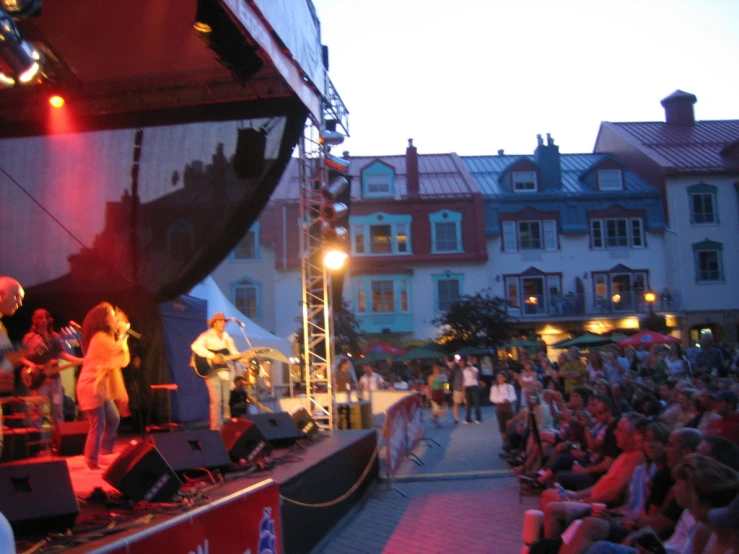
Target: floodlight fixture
pixel 22 62
pixel 22 8
pixel 57 101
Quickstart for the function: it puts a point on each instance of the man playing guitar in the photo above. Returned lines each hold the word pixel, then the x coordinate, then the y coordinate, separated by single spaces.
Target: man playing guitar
pixel 45 347
pixel 215 347
pixel 11 298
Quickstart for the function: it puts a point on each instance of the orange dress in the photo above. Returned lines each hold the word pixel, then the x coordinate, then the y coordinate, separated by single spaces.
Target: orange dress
pixel 101 377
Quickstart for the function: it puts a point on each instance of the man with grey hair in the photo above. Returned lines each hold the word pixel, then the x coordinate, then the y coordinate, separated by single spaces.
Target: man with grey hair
pixel 711 357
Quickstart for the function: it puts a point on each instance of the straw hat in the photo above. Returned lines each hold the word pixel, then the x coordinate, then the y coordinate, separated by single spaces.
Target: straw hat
pixel 220 316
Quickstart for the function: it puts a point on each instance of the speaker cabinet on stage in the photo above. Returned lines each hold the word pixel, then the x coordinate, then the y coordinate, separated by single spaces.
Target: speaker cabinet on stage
pixel 36 495
pixel 354 415
pixel 141 473
pixel 188 450
pixel 278 428
pixel 244 441
pixel 69 437
pixel 248 160
pixel 304 422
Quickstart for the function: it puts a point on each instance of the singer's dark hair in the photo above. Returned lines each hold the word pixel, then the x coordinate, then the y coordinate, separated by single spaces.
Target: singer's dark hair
pixel 96 320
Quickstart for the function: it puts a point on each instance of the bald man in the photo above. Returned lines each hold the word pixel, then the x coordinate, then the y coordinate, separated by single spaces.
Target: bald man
pixel 11 298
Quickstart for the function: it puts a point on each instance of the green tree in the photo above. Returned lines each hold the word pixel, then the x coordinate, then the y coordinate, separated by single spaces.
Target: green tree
pixel 479 319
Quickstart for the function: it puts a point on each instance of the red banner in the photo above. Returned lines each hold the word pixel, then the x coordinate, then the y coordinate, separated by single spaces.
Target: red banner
pixel 246 521
pixel 395 434
pixel 414 433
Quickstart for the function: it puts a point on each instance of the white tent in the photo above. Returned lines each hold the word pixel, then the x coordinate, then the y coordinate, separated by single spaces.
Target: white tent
pixel 218 302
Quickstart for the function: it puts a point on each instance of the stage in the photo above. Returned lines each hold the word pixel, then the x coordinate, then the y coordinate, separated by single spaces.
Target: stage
pixel 309 486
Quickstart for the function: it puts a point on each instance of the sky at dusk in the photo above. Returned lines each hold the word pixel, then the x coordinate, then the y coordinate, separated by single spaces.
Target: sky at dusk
pixel 475 76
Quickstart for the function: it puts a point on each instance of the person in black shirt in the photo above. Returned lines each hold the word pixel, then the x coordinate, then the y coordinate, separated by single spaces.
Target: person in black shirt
pixel 238 402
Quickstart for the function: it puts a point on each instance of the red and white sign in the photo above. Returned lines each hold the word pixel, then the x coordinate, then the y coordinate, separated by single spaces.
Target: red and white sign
pixel 245 522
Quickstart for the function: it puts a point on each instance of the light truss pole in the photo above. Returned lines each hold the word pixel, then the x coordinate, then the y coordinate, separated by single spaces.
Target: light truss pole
pixel 318 344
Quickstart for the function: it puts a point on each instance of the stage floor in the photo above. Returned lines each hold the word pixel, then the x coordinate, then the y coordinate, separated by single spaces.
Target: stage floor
pixel 311 473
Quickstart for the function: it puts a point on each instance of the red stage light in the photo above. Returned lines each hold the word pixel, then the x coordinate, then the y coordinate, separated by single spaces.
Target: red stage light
pixel 56 101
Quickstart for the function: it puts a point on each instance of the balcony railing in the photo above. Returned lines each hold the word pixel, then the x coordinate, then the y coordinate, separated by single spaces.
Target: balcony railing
pixel 584 305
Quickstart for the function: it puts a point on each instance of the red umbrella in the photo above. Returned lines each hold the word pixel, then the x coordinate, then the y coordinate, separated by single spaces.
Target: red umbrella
pixel 647 338
pixel 384 348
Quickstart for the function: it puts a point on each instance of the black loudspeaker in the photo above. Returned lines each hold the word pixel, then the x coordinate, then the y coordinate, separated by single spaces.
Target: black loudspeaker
pixel 188 450
pixel 354 415
pixel 141 473
pixel 69 437
pixel 278 428
pixel 244 442
pixel 304 422
pixel 36 495
pixel 248 160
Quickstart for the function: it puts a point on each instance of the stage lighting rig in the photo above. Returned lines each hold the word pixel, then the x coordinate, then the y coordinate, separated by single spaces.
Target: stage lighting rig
pixel 21 8
pixel 20 62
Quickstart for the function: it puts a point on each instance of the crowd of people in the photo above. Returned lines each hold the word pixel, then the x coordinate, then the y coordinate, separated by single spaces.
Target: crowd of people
pixel 632 451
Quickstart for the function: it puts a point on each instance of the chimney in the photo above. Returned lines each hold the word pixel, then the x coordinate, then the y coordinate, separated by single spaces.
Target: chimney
pixel 345 154
pixel 501 152
pixel 411 164
pixel 679 108
pixel 546 157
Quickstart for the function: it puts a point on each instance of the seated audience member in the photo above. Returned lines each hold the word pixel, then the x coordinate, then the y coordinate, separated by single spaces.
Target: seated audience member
pixel 619 398
pixel 703 407
pixel 724 522
pixel 238 401
pixel 679 414
pixel 581 477
pixel 728 426
pixel 561 509
pixel 722 449
pixel 649 487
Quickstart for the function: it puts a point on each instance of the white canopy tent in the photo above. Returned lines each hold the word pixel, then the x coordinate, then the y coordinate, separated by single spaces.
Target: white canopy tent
pixel 218 302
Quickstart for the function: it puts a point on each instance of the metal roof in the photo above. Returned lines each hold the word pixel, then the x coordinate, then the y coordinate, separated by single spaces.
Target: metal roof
pixel 685 148
pixel 439 175
pixel 486 170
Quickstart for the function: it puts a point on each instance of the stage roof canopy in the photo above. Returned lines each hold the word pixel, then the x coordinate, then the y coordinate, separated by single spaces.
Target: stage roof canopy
pixel 141 62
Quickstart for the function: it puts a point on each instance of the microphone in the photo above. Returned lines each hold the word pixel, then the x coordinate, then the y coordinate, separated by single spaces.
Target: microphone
pixel 134 334
pixel 75 325
pixel 237 322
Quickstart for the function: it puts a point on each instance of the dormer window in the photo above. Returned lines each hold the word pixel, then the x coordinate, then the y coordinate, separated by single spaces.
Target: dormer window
pixel 378 184
pixel 610 179
pixel 378 180
pixel 524 181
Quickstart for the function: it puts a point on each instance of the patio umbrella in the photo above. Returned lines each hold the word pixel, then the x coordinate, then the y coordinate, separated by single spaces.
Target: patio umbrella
pixel 588 339
pixel 647 338
pixel 520 343
pixel 384 348
pixel 418 354
pixel 473 351
pixel 372 357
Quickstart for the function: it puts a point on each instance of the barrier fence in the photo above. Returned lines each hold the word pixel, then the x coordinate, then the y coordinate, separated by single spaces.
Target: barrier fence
pixel 403 429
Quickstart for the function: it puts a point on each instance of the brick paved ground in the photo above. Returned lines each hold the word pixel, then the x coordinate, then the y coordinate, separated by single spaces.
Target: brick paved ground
pixel 462 500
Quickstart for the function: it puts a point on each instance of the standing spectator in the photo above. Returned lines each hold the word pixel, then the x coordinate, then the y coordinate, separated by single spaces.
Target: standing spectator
pixel 677 364
pixel 595 366
pixel 436 393
pixel 456 382
pixel 472 390
pixel 573 370
pixel 370 381
pixel 711 357
pixel 502 394
pixel 614 371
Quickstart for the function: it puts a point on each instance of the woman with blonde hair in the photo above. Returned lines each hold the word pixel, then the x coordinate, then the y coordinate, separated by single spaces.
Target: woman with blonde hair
pixel 100 388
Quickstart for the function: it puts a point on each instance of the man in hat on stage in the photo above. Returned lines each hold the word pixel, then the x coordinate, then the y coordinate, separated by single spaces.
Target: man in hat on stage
pixel 215 347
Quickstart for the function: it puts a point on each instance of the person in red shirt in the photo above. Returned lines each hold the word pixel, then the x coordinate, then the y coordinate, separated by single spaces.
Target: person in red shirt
pixel 728 426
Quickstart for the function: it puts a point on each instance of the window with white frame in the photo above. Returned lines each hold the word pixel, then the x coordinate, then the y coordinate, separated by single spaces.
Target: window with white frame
pixel 709 265
pixel 610 179
pixel 376 295
pixel 248 246
pixel 381 235
pixel 529 235
pixel 703 204
pixel 378 184
pixel 446 232
pixel 245 296
pixel 447 290
pixel 524 181
pixel 617 232
pixel 537 293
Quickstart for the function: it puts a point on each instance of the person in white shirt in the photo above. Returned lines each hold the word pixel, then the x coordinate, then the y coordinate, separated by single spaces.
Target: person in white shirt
pixel 471 390
pixel 216 346
pixel 370 381
pixel 502 394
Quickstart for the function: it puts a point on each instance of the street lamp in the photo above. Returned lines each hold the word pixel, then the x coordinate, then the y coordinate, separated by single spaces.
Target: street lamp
pixel 650 297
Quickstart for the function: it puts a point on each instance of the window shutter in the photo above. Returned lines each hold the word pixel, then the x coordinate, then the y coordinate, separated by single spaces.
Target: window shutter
pixel 550 234
pixel 509 236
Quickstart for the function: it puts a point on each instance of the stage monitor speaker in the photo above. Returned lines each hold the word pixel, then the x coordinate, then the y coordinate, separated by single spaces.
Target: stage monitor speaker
pixel 304 422
pixel 278 428
pixel 248 160
pixel 36 495
pixel 244 442
pixel 69 437
pixel 141 473
pixel 187 450
pixel 354 415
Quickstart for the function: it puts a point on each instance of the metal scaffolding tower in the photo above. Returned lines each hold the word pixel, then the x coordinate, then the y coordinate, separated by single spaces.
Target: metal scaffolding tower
pixel 317 309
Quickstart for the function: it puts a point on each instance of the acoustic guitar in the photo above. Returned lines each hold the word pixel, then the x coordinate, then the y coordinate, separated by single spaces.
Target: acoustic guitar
pixel 205 367
pixel 34 377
